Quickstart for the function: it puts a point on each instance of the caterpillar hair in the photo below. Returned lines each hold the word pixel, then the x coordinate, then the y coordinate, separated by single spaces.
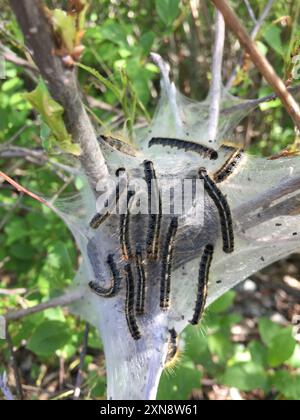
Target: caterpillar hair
pixel 125 229
pixel 202 284
pixel 141 282
pixel 204 151
pixel 114 199
pixel 129 304
pixel 167 260
pixel 114 289
pixel 223 209
pixel 154 196
pixel 172 348
pixel 229 166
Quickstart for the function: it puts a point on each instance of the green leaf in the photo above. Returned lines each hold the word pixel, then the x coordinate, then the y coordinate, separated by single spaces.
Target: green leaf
pixel 259 353
pixel 223 303
pixel 273 37
pixel 245 377
pixel 279 340
pixel 167 10
pixel 52 115
pixel 294 361
pixel 288 384
pixel 220 345
pixel 281 348
pixel 180 385
pixel 49 337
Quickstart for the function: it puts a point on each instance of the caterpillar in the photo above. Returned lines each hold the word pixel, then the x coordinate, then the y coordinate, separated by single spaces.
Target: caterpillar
pixel 154 196
pixel 114 289
pixel 114 199
pixel 204 151
pixel 172 348
pixel 141 282
pixel 119 145
pixel 167 259
pixel 129 304
pixel 224 211
pixel 202 284
pixel 125 229
pixel 229 166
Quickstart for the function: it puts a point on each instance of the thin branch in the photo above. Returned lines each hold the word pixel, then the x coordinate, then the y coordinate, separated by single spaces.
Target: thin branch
pixel 250 11
pixel 15 366
pixel 12 292
pixel 253 103
pixel 63 300
pixel 23 190
pixel 253 35
pixel 216 85
pixel 259 60
pixel 77 390
pixel 62 84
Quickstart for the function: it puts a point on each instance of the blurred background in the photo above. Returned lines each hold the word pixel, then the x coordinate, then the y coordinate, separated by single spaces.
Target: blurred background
pixel 248 346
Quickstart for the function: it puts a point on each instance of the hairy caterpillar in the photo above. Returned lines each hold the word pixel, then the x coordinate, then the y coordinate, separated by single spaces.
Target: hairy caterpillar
pixel 141 282
pixel 114 289
pixel 229 166
pixel 204 151
pixel 167 260
pixel 223 208
pixel 125 229
pixel 154 219
pixel 129 304
pixel 172 348
pixel 202 284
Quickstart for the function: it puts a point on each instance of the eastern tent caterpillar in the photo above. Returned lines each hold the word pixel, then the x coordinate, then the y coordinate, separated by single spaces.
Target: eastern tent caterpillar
pixel 202 284
pixel 172 348
pixel 229 166
pixel 204 151
pixel 113 200
pixel 119 145
pixel 125 229
pixel 167 260
pixel 129 304
pixel 141 282
pixel 114 289
pixel 224 211
pixel 154 197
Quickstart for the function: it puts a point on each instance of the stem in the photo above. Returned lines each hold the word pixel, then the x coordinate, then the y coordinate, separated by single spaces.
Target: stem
pixel 259 60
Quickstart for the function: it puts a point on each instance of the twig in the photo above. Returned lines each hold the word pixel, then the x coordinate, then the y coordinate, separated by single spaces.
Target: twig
pixel 259 60
pixel 63 300
pixel 250 11
pixel 62 84
pixel 12 292
pixel 216 85
pixel 23 190
pixel 252 103
pixel 253 35
pixel 15 366
pixel 83 351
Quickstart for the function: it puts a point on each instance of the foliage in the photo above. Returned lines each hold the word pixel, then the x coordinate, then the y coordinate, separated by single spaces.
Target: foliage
pixel 120 84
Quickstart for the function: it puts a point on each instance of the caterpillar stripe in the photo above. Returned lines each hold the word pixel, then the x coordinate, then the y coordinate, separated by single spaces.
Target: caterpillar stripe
pixel 224 211
pixel 229 166
pixel 119 145
pixel 125 229
pixel 154 196
pixel 141 282
pixel 114 289
pixel 202 284
pixel 129 304
pixel 167 260
pixel 204 151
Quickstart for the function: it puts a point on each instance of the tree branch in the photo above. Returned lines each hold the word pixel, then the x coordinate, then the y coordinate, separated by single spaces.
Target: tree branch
pixel 259 60
pixel 62 84
pixel 63 300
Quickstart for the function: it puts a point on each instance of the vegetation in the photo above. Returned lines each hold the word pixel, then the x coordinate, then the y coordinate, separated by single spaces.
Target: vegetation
pixel 239 352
